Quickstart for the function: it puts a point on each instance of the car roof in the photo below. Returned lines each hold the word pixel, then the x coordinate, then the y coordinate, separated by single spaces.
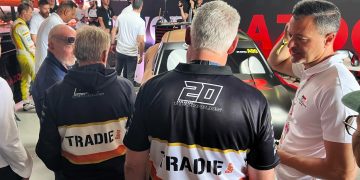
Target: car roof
pixel 179 36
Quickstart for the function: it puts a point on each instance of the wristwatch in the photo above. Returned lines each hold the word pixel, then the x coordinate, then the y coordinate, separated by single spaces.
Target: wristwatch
pixel 283 44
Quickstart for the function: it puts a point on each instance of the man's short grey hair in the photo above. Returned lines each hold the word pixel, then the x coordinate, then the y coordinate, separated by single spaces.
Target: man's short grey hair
pixel 90 43
pixel 215 26
pixel 67 4
pixel 326 14
pixel 136 4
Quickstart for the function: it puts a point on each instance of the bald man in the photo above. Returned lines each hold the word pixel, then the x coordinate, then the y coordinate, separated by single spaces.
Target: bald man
pixel 59 58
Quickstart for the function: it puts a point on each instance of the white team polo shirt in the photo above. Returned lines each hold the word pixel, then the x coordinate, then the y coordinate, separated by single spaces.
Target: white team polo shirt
pixel 127 9
pixel 317 112
pixel 42 38
pixel 35 23
pixel 129 25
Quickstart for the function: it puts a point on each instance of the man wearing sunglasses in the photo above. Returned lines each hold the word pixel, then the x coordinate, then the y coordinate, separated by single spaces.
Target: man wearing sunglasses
pixel 60 57
pixel 352 101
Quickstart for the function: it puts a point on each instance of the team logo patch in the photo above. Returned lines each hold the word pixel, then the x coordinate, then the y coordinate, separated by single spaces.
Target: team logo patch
pixel 200 95
pixel 303 101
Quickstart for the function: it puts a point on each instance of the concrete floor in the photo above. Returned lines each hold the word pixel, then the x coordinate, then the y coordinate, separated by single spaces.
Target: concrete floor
pixel 29 133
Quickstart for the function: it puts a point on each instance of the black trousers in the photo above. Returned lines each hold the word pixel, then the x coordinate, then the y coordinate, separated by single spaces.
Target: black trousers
pixel 8 174
pixel 128 63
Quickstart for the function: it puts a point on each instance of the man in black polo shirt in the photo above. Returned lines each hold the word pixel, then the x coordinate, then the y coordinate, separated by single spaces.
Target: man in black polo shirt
pixel 199 121
pixel 105 14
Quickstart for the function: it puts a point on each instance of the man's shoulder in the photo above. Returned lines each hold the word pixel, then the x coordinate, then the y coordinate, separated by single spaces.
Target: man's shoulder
pixel 101 10
pixel 123 81
pixel 36 17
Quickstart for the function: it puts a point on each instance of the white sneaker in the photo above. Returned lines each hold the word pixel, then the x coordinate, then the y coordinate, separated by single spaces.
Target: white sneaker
pixel 27 106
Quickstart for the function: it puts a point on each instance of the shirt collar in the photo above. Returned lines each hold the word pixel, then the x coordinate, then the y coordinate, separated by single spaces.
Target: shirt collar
pixel 52 58
pixel 203 69
pixel 57 16
pixel 326 64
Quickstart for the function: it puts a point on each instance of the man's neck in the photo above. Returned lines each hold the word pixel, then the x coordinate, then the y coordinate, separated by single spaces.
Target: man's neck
pixel 22 18
pixel 86 63
pixel 106 6
pixel 326 55
pixel 42 15
pixel 137 11
pixel 208 55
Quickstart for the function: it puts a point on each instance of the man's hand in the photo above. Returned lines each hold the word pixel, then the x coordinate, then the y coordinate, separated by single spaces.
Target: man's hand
pixel 113 48
pixel 284 156
pixel 286 32
pixel 140 59
pixel 181 5
pixel 192 4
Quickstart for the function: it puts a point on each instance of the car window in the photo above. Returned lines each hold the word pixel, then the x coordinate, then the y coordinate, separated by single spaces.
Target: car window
pixel 175 57
pixel 244 62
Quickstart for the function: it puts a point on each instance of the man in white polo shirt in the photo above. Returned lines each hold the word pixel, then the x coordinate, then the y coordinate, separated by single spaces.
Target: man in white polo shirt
pixel 129 31
pixel 38 18
pixel 128 8
pixel 314 143
pixel 65 12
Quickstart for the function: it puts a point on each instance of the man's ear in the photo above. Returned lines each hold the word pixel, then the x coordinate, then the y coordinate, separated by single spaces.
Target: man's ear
pixel 51 45
pixel 329 38
pixel 233 46
pixel 104 57
pixel 188 36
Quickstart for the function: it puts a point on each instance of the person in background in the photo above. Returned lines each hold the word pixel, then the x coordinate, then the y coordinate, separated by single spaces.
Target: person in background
pixel 92 13
pixel 81 15
pixel 25 52
pixel 38 18
pixel 53 6
pixel 65 13
pixel 129 31
pixel 105 16
pixel 188 8
pixel 314 143
pixel 56 64
pixel 191 122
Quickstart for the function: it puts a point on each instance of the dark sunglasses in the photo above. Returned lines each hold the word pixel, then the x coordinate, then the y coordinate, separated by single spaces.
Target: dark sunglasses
pixel 67 40
pixel 350 124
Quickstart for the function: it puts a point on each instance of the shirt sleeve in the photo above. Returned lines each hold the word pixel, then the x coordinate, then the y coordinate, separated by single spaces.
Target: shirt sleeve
pixel 142 29
pixel 117 22
pixel 11 148
pixel 48 147
pixel 100 13
pixel 136 137
pixel 333 113
pixel 34 25
pixel 262 155
pixel 186 7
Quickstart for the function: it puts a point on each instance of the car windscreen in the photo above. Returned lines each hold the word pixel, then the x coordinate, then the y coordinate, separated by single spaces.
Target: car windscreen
pixel 245 63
